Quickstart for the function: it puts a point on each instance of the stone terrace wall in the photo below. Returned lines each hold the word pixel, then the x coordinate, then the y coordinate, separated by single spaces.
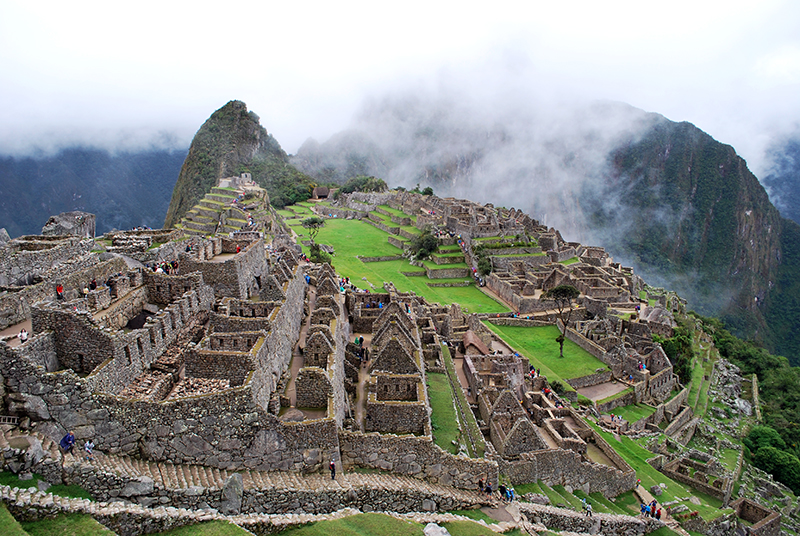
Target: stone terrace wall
pixel 592 379
pixel 566 468
pixel 562 519
pixel 284 330
pixel 163 288
pixel 414 456
pixel 18 263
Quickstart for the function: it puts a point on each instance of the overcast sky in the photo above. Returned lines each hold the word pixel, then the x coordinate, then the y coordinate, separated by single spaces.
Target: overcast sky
pixel 129 74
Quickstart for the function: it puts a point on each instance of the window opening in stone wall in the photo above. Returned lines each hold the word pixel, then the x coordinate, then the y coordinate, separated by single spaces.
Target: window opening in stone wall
pixel 140 346
pixel 128 355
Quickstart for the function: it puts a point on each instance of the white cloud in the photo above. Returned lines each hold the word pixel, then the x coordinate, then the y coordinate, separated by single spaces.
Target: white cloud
pixel 82 70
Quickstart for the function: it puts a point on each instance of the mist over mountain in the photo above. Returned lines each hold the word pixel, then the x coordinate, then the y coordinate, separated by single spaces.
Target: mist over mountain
pixel 782 181
pixel 124 190
pixel 664 197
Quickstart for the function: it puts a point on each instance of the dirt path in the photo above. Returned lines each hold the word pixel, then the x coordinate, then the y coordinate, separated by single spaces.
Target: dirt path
pixel 602 390
pixel 13 331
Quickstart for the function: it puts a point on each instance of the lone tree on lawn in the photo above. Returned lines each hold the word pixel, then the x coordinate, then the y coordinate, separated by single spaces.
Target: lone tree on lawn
pixel 313 224
pixel 563 296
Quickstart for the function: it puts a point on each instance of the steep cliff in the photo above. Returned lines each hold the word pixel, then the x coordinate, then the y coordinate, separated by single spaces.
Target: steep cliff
pixel 692 214
pixel 231 142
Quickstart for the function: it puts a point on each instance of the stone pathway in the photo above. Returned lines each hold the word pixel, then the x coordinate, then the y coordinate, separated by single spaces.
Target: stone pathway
pixel 602 390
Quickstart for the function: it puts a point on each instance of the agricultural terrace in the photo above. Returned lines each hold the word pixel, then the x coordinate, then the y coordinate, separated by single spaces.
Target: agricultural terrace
pixel 539 345
pixel 353 238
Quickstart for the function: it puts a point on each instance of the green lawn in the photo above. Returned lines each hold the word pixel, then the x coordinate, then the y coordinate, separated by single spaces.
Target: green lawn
pixel 539 345
pixel 10 479
pixel 567 262
pixel 209 528
pixel 351 238
pixel 358 525
pixel 443 413
pixel 66 525
pixel 9 525
pixel 634 412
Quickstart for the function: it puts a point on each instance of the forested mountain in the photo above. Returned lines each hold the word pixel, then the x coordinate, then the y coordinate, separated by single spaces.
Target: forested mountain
pixel 124 190
pixel 665 197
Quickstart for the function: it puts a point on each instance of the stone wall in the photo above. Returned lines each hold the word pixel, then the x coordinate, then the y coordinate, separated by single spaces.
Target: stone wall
pixel 588 381
pixel 163 288
pixel 567 468
pixel 562 519
pixel 682 418
pixel 414 456
pixel 764 521
pixel 313 388
pixel 447 273
pixel 22 259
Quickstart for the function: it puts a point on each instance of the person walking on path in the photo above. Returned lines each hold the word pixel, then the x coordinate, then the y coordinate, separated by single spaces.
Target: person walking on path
pixel 480 485
pixel 588 510
pixel 88 447
pixel 332 467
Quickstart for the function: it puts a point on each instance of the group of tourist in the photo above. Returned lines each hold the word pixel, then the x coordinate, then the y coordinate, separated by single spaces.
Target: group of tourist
pixel 641 366
pixel 68 444
pixel 360 352
pixel 507 493
pixel 533 372
pixel 651 510
pixel 164 267
pixel 587 507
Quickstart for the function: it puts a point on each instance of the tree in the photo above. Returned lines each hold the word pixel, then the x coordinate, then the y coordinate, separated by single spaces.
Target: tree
pixel 424 243
pixel 313 224
pixel 427 191
pixel 563 295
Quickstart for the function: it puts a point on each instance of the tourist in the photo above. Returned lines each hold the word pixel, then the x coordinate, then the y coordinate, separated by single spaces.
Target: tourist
pixel 59 292
pixel 642 509
pixel 488 489
pixel 658 514
pixel 332 467
pixel 88 447
pixel 588 510
pixel 93 285
pixel 502 490
pixel 23 335
pixel 68 442
pixel 480 485
pixel 85 292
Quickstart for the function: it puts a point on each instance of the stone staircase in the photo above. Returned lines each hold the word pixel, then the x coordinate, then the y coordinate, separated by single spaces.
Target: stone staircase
pixel 168 476
pixel 181 477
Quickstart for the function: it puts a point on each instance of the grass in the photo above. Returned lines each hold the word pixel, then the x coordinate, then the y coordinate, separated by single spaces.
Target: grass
pixel 471 424
pixel 62 490
pixel 567 262
pixel 66 525
pixel 443 413
pixel 636 456
pixel 210 528
pixel 351 238
pixel 539 345
pixel 358 525
pixel 9 525
pixel 468 528
pixel 634 412
pixel 475 514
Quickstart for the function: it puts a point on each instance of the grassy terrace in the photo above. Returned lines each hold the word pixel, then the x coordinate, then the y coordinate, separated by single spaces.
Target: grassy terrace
pixel 567 262
pixel 443 413
pixel 351 238
pixel 634 412
pixel 539 345
pixel 636 457
pixel 394 211
pixel 383 525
